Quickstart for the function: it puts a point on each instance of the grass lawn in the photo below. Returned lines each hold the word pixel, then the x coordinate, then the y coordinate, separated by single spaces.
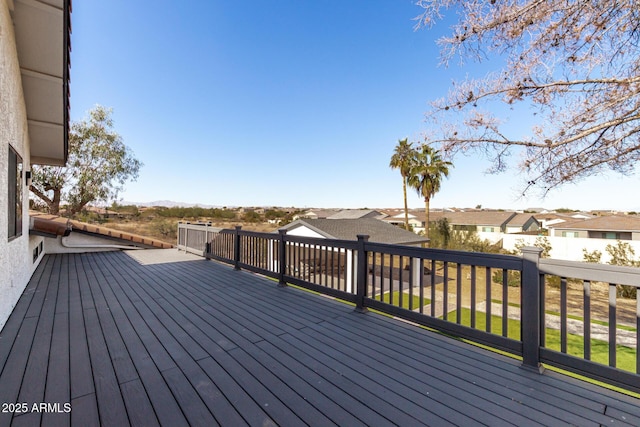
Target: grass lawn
pixel 625 356
pixel 395 299
pixel 574 317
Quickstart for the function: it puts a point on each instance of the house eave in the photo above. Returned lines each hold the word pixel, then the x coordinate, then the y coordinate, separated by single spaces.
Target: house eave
pixel 42 32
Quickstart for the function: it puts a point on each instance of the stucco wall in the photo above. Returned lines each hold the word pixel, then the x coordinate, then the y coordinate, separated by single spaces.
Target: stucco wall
pixel 304 232
pixel 16 264
pixel 492 237
pixel 569 248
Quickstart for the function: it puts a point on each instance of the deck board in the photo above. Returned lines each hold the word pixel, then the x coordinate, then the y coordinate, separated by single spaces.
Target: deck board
pixel 192 342
pixel 498 382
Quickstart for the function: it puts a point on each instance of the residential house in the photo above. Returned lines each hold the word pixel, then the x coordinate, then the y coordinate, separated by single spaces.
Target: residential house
pixel 548 219
pixel 490 225
pixel 34 123
pixel 348 229
pixel 522 223
pixel 582 215
pixel 415 223
pixel 570 239
pixel 316 213
pixel 617 227
pixel 357 214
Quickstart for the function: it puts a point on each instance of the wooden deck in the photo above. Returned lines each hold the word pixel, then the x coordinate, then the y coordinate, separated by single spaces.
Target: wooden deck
pixel 170 339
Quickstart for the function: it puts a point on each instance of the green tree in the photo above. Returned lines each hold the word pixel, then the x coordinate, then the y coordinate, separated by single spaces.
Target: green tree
pixel 514 277
pixel 251 216
pixel 402 159
pixel 443 230
pixel 622 254
pixel 541 242
pixel 425 175
pixel 594 256
pixel 99 164
pixel 274 214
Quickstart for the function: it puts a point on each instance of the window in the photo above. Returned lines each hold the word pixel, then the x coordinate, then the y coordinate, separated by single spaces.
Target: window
pixel 610 235
pixel 15 194
pixel 569 234
pixel 487 229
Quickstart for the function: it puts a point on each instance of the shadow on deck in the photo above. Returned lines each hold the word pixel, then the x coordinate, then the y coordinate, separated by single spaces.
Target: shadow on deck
pixel 170 339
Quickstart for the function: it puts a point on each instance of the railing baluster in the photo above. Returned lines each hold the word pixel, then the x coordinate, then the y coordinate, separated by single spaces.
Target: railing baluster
pixel 488 299
pixel 637 331
pixel 236 251
pixel 361 276
pixel 332 267
pixel 391 279
pixel 445 291
pixel 586 302
pixel 421 267
pixel 458 293
pixel 282 258
pixel 382 258
pixel 433 288
pixel 411 260
pixel 612 325
pixel 505 302
pixel 563 314
pixel 320 267
pixel 473 296
pixel 373 275
pixel 317 254
pixel 400 281
pixel 542 314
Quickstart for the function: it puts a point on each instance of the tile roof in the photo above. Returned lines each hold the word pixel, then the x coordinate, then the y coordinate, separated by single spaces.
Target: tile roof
pixel 355 214
pixel 320 213
pixel 494 218
pixel 100 231
pixel 519 220
pixel 605 223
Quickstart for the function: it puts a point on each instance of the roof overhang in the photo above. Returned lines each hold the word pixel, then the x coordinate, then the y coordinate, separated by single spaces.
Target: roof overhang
pixel 42 29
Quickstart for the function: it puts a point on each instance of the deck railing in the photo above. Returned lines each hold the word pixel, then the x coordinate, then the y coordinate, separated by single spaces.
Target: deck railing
pixel 561 313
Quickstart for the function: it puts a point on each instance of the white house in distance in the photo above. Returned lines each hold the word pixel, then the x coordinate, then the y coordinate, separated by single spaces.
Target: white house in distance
pixel 490 225
pixel 348 229
pixel 569 239
pixel 617 227
pixel 416 224
pixel 34 124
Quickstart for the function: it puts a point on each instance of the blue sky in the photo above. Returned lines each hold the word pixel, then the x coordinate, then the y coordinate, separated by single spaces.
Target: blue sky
pixel 283 102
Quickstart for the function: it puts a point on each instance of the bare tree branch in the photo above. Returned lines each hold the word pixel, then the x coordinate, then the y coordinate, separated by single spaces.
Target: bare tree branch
pixel 576 62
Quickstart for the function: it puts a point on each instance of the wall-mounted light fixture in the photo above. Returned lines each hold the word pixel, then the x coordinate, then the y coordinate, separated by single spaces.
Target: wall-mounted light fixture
pixel 27 175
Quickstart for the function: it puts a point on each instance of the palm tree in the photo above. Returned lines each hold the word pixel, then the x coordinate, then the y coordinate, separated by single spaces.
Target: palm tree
pixel 426 174
pixel 402 159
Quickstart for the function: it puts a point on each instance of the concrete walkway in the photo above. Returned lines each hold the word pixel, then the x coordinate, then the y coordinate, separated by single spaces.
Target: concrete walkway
pixel 576 327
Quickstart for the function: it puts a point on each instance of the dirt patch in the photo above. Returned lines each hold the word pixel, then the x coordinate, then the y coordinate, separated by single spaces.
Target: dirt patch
pixel 625 307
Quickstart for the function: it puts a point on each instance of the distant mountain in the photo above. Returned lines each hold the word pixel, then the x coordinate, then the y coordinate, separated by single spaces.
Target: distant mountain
pixel 168 204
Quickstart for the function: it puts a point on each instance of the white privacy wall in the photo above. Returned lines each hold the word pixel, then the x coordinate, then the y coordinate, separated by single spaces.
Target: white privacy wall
pixel 569 248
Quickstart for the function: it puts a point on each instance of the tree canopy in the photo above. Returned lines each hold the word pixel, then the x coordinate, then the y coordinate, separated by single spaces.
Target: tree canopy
pixel 98 166
pixel 402 159
pixel 576 64
pixel 425 175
